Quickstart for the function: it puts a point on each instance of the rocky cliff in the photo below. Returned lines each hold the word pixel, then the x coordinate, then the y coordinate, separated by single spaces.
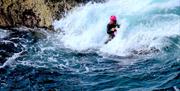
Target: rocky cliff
pixel 33 13
pixel 24 12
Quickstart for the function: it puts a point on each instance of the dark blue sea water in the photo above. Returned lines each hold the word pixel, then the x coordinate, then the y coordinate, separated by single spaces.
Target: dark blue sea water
pixel 61 69
pixel 144 58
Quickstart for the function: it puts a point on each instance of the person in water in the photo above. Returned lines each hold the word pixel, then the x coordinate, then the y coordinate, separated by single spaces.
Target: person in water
pixel 111 28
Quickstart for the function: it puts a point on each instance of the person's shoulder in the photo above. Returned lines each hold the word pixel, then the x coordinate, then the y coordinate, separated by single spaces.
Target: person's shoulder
pixel 109 24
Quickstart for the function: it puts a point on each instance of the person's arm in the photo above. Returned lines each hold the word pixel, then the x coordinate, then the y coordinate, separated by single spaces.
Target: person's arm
pixel 108 28
pixel 113 29
pixel 118 25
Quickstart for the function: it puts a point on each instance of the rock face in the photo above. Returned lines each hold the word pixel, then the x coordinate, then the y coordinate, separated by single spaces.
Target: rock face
pixel 25 12
pixel 31 13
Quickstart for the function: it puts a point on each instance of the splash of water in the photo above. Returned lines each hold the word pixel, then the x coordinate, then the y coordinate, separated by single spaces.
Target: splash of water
pixel 3 33
pixel 144 24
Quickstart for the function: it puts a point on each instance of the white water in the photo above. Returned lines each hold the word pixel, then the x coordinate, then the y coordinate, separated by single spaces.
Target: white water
pixel 144 24
pixel 3 33
pixel 11 61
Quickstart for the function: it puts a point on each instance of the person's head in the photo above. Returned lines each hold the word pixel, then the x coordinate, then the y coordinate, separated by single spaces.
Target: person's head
pixel 113 19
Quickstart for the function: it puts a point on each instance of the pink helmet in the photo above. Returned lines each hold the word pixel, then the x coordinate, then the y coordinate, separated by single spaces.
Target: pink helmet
pixel 113 18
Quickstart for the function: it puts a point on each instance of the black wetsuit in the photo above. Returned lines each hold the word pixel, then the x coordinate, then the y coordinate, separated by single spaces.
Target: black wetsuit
pixel 109 27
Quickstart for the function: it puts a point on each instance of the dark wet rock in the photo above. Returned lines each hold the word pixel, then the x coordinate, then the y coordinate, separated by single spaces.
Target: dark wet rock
pixel 146 51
